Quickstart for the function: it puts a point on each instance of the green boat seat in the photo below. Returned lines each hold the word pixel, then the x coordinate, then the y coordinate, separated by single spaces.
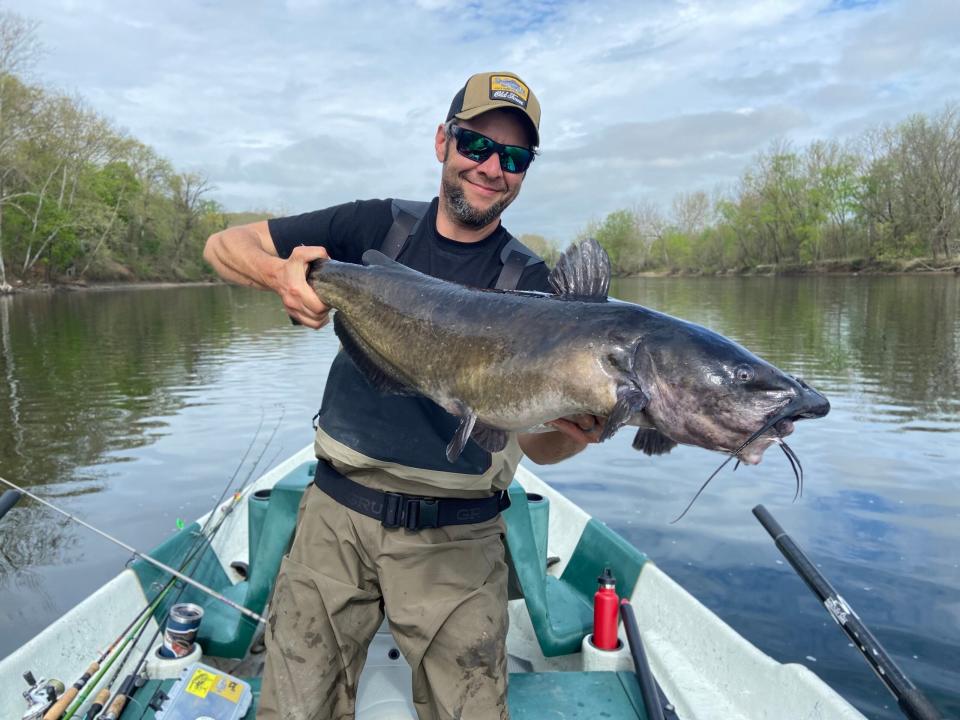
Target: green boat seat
pixel 561 609
pixel 532 696
pixel 575 696
pixel 223 631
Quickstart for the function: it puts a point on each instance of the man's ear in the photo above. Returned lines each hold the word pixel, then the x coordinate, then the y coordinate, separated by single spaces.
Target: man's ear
pixel 440 143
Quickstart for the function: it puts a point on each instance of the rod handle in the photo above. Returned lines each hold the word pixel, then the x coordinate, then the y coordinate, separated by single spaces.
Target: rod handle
pixel 116 707
pixel 59 707
pixel 98 702
pixel 915 706
pixel 769 522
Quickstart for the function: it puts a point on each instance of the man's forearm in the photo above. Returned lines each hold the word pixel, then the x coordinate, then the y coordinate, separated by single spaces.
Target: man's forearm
pixel 238 256
pixel 547 448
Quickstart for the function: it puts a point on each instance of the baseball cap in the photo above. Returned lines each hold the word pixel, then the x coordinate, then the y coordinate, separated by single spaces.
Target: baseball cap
pixel 489 91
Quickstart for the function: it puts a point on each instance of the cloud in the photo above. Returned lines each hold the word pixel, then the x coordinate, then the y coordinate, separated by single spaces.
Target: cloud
pixel 304 104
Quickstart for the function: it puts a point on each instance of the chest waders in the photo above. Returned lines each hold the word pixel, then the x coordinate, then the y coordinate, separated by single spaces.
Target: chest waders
pixel 410 432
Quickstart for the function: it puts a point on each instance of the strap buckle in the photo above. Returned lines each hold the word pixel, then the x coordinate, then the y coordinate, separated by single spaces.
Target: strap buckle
pixel 409 512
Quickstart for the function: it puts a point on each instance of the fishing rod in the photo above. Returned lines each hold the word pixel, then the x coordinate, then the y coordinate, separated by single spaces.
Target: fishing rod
pixel 138 622
pixel 67 698
pixel 146 558
pixel 101 698
pixel 912 702
pixel 203 540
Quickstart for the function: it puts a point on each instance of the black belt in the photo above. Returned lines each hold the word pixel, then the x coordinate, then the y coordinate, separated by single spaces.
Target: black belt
pixel 394 510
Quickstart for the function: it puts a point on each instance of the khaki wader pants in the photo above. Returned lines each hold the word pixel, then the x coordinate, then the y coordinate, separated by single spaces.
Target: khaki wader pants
pixel 445 593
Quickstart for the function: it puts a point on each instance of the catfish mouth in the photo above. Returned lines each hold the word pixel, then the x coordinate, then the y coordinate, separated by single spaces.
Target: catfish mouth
pixel 807 404
pixel 753 453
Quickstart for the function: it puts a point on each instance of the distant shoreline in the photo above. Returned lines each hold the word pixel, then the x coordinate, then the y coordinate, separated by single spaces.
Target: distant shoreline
pixel 850 267
pixel 43 288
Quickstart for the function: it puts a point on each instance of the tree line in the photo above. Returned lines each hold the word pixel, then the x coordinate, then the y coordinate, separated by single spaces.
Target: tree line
pixel 892 193
pixel 79 199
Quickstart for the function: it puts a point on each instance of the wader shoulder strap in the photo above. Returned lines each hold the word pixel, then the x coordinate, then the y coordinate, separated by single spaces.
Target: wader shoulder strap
pixel 407 215
pixel 515 257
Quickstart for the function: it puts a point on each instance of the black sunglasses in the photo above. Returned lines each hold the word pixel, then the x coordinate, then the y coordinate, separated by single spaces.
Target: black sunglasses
pixel 476 147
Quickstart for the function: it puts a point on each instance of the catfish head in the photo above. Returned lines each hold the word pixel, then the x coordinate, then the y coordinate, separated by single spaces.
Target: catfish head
pixel 706 390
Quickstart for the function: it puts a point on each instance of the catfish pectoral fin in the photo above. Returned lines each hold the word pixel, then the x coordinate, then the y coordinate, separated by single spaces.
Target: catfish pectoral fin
pixel 460 438
pixel 630 401
pixel 489 438
pixel 652 442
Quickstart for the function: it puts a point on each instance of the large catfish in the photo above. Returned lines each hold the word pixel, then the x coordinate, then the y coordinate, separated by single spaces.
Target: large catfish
pixel 511 361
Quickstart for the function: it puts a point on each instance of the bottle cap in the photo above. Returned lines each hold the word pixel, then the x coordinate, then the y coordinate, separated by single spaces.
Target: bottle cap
pixel 607 579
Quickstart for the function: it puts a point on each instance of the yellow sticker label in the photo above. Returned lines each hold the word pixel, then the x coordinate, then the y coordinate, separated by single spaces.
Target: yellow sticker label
pixel 229 689
pixel 504 87
pixel 201 683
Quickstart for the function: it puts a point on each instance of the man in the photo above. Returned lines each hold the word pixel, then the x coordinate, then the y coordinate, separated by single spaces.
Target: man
pixel 443 586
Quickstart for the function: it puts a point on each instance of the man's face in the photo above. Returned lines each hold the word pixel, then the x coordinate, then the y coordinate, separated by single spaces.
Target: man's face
pixel 475 194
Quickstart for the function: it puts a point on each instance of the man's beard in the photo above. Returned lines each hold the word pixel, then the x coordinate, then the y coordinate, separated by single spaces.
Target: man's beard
pixel 462 212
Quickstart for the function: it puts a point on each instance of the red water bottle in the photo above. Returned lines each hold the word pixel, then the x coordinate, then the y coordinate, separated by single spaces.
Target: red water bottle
pixel 605 612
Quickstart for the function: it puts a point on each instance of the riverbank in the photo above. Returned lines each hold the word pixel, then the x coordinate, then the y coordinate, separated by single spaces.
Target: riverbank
pixel 54 287
pixel 848 266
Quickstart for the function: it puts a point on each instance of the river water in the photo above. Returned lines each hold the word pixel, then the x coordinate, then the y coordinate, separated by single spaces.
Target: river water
pixel 132 409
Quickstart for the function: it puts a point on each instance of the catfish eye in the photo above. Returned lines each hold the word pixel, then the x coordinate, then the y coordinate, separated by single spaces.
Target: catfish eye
pixel 743 373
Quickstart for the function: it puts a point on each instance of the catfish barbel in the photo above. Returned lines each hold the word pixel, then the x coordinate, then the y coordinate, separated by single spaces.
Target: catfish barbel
pixel 508 361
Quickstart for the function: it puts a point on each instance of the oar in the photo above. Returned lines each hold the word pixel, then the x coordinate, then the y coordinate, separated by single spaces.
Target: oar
pixel 648 685
pixel 912 702
pixel 146 558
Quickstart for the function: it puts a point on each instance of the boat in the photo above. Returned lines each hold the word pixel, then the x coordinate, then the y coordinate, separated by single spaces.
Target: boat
pixel 704 669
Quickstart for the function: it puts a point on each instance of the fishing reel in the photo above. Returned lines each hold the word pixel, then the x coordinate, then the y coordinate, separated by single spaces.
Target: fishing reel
pixel 40 695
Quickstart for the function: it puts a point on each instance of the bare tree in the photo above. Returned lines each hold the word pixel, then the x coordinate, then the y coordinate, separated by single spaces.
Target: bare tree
pixel 188 190
pixel 19 49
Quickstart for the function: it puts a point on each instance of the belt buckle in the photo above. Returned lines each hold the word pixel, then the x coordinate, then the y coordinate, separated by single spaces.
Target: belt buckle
pixel 394 511
pixel 407 512
pixel 426 514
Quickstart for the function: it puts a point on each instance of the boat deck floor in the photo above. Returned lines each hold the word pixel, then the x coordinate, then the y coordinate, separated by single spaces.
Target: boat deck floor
pixel 533 696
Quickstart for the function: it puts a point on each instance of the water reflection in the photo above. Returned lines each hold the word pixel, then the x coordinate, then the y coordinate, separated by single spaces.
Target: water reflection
pixel 899 333
pixel 133 408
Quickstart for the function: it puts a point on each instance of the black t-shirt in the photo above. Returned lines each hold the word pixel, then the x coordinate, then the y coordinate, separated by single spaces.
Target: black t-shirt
pixel 406 431
pixel 349 230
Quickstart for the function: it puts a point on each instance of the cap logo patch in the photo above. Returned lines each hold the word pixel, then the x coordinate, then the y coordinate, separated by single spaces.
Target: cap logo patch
pixel 504 87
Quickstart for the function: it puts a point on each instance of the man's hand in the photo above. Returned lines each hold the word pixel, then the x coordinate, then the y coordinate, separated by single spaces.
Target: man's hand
pixel 572 435
pixel 246 255
pixel 584 428
pixel 290 282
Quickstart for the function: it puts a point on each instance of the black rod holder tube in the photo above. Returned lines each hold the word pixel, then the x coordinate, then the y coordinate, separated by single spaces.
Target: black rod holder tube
pixel 912 702
pixel 648 686
pixel 8 500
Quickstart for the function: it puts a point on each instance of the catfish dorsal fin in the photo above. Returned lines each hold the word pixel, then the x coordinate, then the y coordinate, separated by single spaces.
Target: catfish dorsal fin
pixel 375 257
pixel 582 272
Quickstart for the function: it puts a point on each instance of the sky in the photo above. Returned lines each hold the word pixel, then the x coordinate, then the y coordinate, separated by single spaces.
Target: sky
pixel 293 106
